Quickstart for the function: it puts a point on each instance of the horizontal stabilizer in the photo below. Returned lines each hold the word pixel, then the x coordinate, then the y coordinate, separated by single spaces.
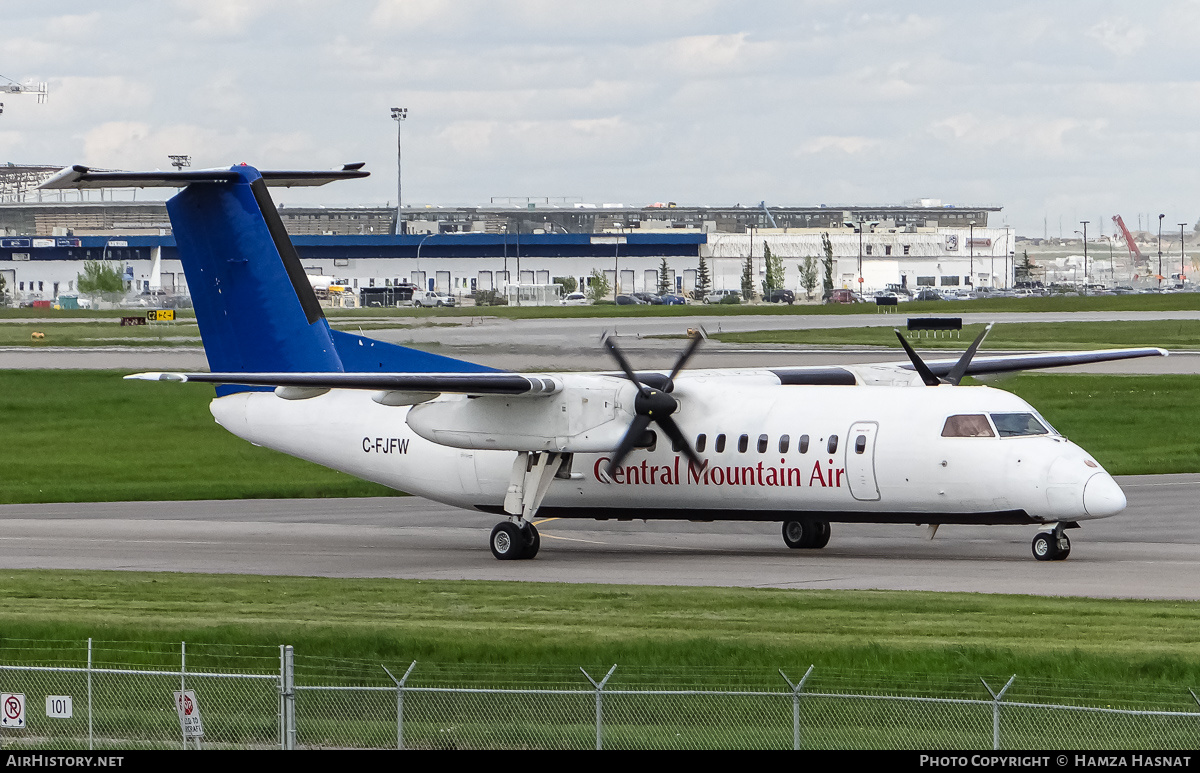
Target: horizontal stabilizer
pixel 82 177
pixel 1015 362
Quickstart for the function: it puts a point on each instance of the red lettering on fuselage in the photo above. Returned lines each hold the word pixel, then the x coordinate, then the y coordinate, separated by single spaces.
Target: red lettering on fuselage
pixel 760 475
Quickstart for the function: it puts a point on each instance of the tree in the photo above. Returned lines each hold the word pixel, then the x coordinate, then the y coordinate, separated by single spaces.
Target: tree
pixel 748 279
pixel 3 292
pixel 776 273
pixel 569 285
pixel 808 275
pixel 703 282
pixel 664 279
pixel 828 265
pixel 1024 270
pixel 101 277
pixel 598 288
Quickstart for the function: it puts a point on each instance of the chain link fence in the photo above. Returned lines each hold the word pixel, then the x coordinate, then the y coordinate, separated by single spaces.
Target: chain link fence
pixel 115 695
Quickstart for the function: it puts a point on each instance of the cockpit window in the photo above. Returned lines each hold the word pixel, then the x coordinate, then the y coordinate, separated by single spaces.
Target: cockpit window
pixel 1018 424
pixel 968 425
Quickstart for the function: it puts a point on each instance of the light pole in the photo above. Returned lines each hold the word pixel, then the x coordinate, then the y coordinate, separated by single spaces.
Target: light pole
pixel 1181 256
pixel 1085 265
pixel 1160 219
pixel 398 115
pixel 424 284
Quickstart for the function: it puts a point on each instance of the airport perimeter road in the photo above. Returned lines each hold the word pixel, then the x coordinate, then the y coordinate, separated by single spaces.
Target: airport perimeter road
pixel 1150 551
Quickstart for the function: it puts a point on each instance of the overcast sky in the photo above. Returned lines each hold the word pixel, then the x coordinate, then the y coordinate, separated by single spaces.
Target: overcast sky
pixel 1058 111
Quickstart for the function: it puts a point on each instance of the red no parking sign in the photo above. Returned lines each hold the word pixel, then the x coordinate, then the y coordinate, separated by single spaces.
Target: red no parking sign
pixel 12 710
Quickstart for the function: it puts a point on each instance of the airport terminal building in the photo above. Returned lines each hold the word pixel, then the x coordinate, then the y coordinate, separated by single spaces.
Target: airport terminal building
pixel 460 250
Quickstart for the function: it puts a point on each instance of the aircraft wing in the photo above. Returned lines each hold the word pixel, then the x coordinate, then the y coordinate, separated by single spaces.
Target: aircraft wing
pixel 494 383
pixel 1014 362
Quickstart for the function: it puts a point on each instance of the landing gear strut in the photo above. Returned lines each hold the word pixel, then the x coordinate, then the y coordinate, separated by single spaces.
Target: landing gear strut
pixel 1051 545
pixel 806 534
pixel 531 476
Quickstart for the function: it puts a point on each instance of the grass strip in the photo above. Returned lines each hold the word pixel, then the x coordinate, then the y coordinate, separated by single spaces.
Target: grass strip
pixel 89 436
pixel 659 633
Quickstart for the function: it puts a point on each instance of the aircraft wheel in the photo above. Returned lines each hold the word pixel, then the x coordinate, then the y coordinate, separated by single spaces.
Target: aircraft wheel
pixel 533 542
pixel 1045 547
pixel 1064 547
pixel 822 536
pixel 508 543
pixel 800 534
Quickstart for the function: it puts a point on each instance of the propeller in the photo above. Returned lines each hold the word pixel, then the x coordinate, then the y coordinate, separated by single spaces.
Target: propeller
pixel 653 404
pixel 956 373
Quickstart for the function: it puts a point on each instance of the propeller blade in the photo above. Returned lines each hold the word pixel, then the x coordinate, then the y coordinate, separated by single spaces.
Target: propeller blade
pixel 611 343
pixel 673 432
pixel 635 432
pixel 923 369
pixel 684 357
pixel 960 368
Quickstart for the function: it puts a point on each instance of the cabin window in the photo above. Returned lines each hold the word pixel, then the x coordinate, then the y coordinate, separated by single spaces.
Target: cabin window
pixel 743 443
pixel 1018 424
pixel 967 425
pixel 860 444
pixel 784 442
pixel 832 444
pixel 762 444
pixel 720 443
pixel 804 444
pixel 700 442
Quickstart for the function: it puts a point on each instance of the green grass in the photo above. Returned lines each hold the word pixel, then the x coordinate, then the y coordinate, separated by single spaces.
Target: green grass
pixel 1168 334
pixel 74 436
pixel 743 633
pixel 99 333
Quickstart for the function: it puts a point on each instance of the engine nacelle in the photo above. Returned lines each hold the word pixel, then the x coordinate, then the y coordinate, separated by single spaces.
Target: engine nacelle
pixel 586 416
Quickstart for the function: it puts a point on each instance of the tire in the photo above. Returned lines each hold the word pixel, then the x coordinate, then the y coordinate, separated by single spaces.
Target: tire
pixel 533 542
pixel 507 542
pixel 1064 547
pixel 1045 547
pixel 798 534
pixel 822 536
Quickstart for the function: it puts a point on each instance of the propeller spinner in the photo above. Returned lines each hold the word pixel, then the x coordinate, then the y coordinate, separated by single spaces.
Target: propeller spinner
pixel 653 404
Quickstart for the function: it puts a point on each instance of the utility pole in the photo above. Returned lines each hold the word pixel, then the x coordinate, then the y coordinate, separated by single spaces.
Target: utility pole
pixel 1181 255
pixel 1160 219
pixel 1085 262
pixel 398 115
pixel 971 239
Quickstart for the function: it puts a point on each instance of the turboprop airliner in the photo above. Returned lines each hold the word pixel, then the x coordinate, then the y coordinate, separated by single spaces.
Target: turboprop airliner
pixel 899 443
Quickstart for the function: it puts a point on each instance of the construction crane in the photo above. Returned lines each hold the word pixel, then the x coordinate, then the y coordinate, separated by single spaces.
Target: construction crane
pixel 10 86
pixel 1134 252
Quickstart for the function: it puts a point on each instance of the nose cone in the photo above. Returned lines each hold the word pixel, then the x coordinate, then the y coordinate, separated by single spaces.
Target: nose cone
pixel 1102 496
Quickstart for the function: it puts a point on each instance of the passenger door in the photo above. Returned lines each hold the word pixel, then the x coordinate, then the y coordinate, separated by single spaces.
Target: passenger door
pixel 860 461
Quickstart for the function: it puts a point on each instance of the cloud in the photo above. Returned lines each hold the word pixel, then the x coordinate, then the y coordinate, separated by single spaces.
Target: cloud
pixel 849 145
pixel 1119 36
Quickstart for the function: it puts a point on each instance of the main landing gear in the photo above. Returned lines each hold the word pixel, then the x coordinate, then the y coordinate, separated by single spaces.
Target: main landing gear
pixel 532 473
pixel 1051 545
pixel 807 533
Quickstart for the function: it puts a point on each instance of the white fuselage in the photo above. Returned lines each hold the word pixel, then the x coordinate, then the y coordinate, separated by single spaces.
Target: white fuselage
pixel 891 462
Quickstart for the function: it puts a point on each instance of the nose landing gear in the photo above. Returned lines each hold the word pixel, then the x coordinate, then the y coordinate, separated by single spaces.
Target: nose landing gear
pixel 1051 545
pixel 806 534
pixel 512 542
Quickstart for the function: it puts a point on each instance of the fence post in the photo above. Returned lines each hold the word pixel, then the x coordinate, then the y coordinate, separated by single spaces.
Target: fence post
pixel 599 703
pixel 996 698
pixel 89 690
pixel 287 697
pixel 183 685
pixel 400 702
pixel 797 689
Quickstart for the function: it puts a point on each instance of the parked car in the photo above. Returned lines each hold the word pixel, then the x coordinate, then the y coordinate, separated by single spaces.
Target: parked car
pixel 651 298
pixel 630 300
pixel 717 296
pixel 928 295
pixel 781 295
pixel 840 295
pixel 432 298
pixel 674 300
pixel 575 299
